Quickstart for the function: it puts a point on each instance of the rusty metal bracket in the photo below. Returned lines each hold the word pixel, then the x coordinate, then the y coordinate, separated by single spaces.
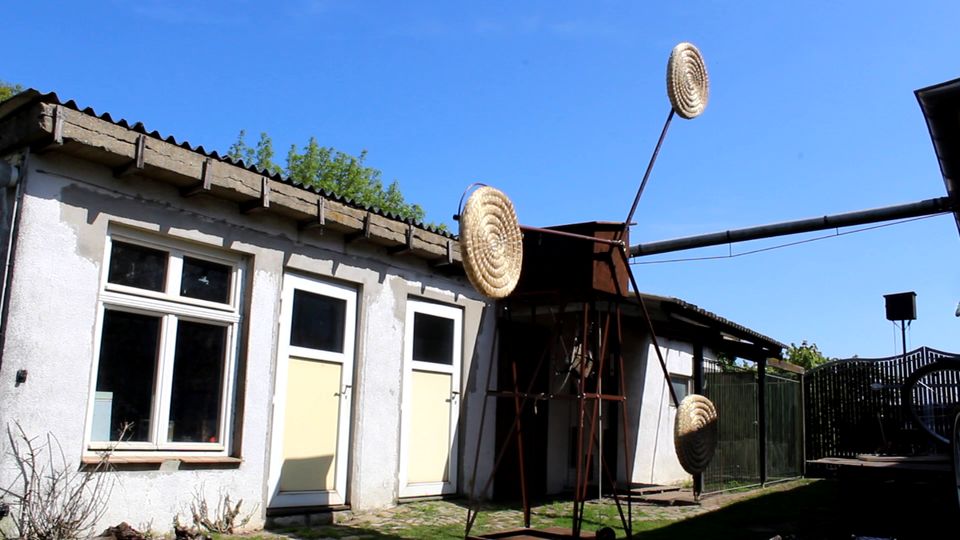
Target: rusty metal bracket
pixel 407 246
pixel 445 261
pixel 58 125
pixel 136 164
pixel 363 233
pixel 55 139
pixel 260 203
pixel 318 222
pixel 205 183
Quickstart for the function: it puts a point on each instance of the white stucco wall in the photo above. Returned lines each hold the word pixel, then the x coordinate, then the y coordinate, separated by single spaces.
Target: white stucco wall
pixel 69 207
pixel 653 414
pixel 650 418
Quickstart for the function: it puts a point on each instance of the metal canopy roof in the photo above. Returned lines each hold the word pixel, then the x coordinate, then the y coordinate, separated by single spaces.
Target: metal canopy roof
pixel 676 309
pixel 940 104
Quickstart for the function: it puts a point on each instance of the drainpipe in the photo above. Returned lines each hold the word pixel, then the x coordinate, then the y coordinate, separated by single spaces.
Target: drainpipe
pixel 11 177
pixel 762 417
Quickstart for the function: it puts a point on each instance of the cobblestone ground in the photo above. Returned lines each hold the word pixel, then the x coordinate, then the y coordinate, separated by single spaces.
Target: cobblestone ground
pixel 445 519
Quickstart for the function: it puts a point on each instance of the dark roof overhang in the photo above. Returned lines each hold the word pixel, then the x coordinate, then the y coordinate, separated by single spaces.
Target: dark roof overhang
pixel 679 319
pixel 940 104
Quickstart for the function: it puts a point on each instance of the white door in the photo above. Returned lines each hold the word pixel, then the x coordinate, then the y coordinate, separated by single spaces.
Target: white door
pixel 432 347
pixel 311 418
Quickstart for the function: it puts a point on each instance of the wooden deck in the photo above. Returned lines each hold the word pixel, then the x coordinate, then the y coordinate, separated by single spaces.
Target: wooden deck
pixel 659 495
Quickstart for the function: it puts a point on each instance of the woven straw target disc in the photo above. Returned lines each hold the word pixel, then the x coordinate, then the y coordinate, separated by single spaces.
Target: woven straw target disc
pixel 687 82
pixel 695 433
pixel 491 242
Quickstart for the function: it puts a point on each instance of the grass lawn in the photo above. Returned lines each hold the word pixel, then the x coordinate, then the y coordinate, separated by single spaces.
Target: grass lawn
pixel 802 510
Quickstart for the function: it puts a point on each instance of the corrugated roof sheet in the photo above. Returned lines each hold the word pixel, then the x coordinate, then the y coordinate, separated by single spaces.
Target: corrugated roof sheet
pixel 687 306
pixel 31 95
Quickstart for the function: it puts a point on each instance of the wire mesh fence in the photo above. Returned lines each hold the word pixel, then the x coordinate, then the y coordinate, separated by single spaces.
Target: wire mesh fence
pixel 784 427
pixel 734 390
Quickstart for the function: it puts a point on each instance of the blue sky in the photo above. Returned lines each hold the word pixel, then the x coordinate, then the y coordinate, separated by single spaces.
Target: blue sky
pixel 559 104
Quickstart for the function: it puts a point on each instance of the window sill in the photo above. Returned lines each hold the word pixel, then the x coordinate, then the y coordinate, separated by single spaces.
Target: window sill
pixel 161 459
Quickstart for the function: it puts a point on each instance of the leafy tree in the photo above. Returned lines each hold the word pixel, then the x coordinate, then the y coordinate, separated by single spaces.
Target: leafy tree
pixel 264 154
pixel 240 151
pixel 332 170
pixel 8 90
pixel 806 355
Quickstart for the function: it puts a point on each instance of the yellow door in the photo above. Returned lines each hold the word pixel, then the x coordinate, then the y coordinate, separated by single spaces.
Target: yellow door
pixel 312 412
pixel 310 426
pixel 431 402
pixel 430 430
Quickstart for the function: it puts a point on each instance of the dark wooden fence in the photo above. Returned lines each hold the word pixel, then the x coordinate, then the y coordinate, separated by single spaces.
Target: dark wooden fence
pixel 855 406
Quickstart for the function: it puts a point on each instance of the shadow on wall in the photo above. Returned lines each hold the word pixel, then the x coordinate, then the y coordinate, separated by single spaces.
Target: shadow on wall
pixel 307 473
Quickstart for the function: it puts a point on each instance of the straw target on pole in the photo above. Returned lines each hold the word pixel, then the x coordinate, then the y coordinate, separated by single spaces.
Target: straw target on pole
pixel 695 433
pixel 491 242
pixel 688 85
pixel 688 88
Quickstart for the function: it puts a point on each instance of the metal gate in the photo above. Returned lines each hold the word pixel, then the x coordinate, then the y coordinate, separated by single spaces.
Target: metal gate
pixel 855 406
pixel 741 451
pixel 784 427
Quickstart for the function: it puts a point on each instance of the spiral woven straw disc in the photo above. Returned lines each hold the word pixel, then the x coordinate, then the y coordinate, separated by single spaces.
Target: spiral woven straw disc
pixel 687 82
pixel 491 243
pixel 695 433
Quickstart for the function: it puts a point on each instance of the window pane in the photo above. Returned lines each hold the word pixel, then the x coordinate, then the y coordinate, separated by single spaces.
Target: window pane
pixel 681 386
pixel 205 280
pixel 318 321
pixel 197 383
pixel 137 266
pixel 432 339
pixel 125 378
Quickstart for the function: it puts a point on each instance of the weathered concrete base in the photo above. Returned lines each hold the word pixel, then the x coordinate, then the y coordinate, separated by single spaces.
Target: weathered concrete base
pixel 307 518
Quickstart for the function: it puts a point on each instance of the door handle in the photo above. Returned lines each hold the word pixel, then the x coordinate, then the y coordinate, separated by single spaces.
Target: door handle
pixel 345 391
pixel 453 396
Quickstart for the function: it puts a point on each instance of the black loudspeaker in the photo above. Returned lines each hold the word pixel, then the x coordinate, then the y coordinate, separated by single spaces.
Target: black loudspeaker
pixel 901 306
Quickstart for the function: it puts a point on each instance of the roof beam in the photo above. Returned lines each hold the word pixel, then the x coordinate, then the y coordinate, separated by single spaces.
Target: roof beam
pixel 136 164
pixel 261 203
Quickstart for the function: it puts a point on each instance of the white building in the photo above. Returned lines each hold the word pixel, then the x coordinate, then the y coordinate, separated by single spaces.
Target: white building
pixel 257 338
pixel 222 330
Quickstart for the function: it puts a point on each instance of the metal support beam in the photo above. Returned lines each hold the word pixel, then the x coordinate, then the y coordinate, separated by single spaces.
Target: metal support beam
pixel 698 389
pixel 762 417
pixel 887 213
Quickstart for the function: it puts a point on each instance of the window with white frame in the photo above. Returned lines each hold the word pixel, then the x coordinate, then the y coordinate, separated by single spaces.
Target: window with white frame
pixel 168 324
pixel 682 386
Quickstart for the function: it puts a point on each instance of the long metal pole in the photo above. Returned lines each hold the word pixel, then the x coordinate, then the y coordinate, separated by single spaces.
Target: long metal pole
pixel 554 232
pixel 646 175
pixel 903 338
pixel 915 209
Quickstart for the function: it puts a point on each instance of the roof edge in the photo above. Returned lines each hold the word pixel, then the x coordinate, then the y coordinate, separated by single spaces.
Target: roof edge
pixel 44 122
pixel 31 95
